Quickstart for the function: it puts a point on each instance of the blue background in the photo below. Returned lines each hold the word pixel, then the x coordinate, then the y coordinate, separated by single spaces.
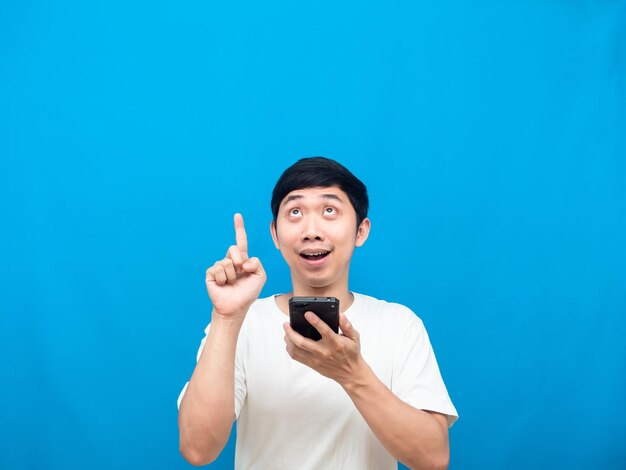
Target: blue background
pixel 491 136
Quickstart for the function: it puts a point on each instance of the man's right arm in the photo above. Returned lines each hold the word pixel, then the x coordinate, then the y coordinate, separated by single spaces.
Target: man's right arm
pixel 207 410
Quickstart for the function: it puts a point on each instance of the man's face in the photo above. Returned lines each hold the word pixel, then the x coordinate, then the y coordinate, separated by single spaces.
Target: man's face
pixel 316 233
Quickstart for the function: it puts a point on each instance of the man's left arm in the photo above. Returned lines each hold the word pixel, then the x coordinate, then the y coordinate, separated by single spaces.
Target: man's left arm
pixel 418 439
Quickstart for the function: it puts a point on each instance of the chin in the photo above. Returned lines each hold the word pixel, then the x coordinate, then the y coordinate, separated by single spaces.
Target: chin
pixel 318 282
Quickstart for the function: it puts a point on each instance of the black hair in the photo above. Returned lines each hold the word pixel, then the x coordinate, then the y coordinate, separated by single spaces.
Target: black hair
pixel 321 172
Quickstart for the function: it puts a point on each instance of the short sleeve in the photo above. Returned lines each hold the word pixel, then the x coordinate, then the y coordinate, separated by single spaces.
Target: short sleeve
pixel 240 383
pixel 416 379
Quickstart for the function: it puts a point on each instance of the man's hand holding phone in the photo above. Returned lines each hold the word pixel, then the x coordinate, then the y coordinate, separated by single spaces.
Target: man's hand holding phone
pixel 235 282
pixel 336 356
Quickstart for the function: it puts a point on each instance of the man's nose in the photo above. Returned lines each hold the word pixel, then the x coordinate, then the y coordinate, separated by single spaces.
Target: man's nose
pixel 312 230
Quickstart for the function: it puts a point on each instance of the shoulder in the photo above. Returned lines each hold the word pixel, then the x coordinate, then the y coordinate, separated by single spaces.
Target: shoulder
pixel 392 310
pixel 258 309
pixel 386 318
pixel 264 303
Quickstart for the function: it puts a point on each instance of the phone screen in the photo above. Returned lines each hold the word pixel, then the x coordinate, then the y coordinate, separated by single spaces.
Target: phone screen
pixel 327 308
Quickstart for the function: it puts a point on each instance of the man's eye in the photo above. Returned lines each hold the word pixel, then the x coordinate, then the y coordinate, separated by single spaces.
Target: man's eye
pixel 294 212
pixel 329 210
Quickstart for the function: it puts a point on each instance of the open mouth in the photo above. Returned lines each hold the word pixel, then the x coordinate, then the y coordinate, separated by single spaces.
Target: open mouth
pixel 314 255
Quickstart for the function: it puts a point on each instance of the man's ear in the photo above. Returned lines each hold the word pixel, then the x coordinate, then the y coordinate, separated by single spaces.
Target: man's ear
pixel 274 234
pixel 363 232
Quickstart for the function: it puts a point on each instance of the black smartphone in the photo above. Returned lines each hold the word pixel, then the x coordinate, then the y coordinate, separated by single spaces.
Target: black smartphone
pixel 327 308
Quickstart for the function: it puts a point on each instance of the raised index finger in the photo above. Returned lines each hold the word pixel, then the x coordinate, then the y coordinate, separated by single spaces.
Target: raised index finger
pixel 241 237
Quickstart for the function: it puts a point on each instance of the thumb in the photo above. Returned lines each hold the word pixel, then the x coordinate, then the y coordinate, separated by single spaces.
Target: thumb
pixel 253 266
pixel 346 328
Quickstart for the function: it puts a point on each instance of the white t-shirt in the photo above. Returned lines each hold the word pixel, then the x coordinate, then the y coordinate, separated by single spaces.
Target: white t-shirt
pixel 290 416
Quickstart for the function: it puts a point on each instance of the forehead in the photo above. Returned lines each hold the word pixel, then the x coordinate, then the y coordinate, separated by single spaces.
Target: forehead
pixel 316 194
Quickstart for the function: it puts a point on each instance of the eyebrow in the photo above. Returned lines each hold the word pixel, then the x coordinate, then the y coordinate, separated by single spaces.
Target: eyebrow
pixel 295 197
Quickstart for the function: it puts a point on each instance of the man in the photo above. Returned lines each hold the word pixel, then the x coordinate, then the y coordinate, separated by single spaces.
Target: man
pixel 361 399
